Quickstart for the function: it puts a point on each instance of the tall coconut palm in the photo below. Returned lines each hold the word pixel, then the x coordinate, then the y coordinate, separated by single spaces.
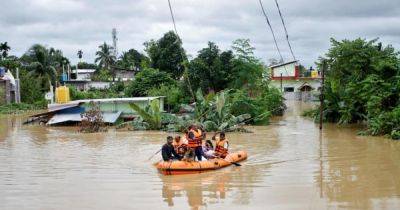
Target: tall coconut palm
pixel 4 48
pixel 105 58
pixel 39 62
pixel 80 55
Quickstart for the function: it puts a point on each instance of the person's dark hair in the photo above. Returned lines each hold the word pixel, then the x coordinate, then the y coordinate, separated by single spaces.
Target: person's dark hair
pixel 170 138
pixel 209 142
pixel 222 134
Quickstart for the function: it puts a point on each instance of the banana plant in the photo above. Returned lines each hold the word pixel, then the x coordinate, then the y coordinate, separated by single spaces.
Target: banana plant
pixel 151 114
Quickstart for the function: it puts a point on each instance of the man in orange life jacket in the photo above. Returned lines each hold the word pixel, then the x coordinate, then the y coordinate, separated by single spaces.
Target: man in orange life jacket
pixel 221 146
pixel 195 137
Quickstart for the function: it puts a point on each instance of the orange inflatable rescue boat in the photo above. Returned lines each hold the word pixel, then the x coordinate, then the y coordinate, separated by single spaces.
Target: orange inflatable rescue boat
pixel 184 167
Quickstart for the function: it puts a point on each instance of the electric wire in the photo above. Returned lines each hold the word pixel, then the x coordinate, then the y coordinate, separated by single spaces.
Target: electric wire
pixel 273 35
pixel 270 27
pixel 185 74
pixel 172 16
pixel 286 32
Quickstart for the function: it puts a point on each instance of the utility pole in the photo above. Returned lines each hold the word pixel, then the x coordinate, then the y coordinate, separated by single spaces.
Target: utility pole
pixel 321 97
pixel 281 83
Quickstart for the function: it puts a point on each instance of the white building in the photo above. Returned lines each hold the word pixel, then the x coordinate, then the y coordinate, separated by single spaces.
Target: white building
pixel 287 78
pixel 84 74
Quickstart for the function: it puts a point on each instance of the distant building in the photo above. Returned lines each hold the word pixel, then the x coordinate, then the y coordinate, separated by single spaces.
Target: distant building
pixel 294 85
pixel 9 87
pixel 84 74
pixel 125 75
pixel 289 70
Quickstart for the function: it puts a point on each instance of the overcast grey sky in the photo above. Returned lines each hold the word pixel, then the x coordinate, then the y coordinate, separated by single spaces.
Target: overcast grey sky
pixel 71 25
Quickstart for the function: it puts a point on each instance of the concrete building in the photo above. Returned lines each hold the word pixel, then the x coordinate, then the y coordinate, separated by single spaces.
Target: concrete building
pixel 84 74
pixel 125 75
pixel 294 85
pixel 9 87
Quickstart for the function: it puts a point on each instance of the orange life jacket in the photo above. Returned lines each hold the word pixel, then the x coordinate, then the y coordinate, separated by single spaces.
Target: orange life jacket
pixel 197 140
pixel 179 147
pixel 220 149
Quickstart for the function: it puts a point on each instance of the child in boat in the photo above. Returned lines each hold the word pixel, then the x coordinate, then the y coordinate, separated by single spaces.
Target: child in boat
pixel 208 150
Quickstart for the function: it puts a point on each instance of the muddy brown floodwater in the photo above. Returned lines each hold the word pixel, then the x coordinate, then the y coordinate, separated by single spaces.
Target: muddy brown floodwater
pixel 291 165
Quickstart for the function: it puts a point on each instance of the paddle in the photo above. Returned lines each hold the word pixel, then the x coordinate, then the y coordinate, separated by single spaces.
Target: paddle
pixel 154 154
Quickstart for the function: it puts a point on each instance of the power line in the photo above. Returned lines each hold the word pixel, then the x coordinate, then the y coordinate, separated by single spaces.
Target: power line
pixel 172 16
pixel 183 55
pixel 270 27
pixel 284 26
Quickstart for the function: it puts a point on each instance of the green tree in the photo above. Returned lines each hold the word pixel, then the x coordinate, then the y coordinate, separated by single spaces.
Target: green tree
pixel 146 80
pixel 39 61
pixel 362 85
pixel 211 70
pixel 84 65
pixel 4 48
pixel 80 54
pixel 167 54
pixel 248 71
pixel 105 58
pixel 132 59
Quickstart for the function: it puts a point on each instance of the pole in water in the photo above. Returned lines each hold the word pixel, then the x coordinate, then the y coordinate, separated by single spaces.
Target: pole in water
pixel 321 97
pixel 281 83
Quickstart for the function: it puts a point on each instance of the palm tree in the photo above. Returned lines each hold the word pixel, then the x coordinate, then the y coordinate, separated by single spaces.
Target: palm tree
pixel 105 58
pixel 80 55
pixel 39 62
pixel 4 48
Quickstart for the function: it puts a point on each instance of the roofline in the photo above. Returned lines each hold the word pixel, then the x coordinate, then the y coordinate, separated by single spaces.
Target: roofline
pixel 282 64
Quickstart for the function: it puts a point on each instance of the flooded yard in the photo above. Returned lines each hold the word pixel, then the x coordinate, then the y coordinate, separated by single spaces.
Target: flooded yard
pixel 291 165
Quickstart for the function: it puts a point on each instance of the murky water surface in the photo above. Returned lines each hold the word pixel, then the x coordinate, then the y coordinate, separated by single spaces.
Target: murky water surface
pixel 291 165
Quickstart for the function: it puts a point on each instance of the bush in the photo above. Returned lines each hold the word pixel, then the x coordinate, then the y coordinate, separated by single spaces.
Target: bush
pixel 111 92
pixel 173 96
pixel 146 80
pixel 363 85
pixel 269 102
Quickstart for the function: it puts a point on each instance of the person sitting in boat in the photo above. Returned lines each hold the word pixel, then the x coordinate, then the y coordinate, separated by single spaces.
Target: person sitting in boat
pixel 208 150
pixel 221 145
pixel 180 145
pixel 168 152
pixel 195 141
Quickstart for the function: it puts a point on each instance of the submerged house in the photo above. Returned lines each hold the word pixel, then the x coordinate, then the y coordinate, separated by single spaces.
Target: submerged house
pixel 111 109
pixel 293 84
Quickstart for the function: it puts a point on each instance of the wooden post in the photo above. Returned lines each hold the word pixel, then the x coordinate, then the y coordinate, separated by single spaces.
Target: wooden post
pixel 281 83
pixel 321 97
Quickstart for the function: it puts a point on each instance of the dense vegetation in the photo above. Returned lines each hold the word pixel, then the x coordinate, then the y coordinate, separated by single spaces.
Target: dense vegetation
pixel 363 86
pixel 234 79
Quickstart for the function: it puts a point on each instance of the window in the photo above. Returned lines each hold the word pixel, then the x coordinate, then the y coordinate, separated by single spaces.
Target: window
pixel 288 89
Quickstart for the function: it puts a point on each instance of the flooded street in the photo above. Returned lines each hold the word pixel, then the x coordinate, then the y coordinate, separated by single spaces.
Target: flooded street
pixel 291 165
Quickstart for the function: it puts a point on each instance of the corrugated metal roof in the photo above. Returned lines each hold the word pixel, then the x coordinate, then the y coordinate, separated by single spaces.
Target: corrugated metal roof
pixel 83 71
pixel 135 99
pixel 108 117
